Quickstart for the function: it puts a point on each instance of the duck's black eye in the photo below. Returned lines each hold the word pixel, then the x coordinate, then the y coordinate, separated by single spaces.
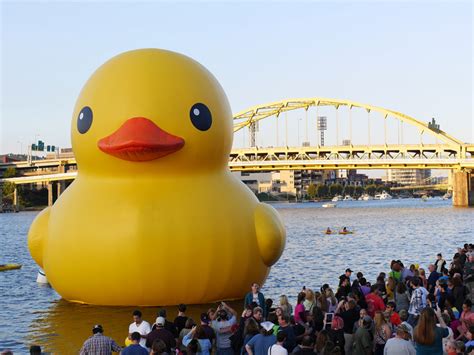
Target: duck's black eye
pixel 84 120
pixel 201 117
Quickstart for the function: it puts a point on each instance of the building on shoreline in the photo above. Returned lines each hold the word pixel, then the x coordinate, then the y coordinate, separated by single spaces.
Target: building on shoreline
pixel 408 176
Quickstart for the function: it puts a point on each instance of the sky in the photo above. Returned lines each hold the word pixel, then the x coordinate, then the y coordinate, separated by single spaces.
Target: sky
pixel 413 57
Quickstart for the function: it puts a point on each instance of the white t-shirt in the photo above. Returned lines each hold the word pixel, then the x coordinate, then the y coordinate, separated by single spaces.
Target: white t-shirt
pixel 223 339
pixel 144 328
pixel 397 346
pixel 276 349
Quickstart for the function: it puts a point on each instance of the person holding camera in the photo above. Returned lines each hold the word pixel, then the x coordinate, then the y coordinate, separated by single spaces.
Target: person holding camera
pixel 223 325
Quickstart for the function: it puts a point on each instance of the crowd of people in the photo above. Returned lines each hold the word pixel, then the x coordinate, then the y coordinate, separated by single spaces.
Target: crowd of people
pixel 405 311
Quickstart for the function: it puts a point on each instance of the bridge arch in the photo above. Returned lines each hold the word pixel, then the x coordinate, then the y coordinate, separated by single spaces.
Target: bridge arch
pixel 259 112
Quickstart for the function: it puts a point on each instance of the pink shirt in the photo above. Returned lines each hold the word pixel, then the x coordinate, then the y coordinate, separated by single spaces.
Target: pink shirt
pixel 298 310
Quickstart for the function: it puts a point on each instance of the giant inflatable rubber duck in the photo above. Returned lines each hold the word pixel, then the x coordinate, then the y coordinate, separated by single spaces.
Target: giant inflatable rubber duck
pixel 155 216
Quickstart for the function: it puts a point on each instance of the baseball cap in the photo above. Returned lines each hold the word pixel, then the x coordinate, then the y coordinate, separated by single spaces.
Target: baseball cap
pixel 160 321
pixel 349 270
pixel 402 327
pixel 205 318
pixel 98 327
pixel 267 325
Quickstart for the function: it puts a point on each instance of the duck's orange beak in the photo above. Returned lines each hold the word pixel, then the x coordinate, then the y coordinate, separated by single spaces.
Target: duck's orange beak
pixel 139 139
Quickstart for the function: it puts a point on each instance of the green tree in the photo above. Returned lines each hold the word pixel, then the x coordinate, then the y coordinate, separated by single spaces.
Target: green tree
pixel 349 190
pixel 371 189
pixel 322 190
pixel 335 189
pixel 311 191
pixel 359 190
pixel 8 187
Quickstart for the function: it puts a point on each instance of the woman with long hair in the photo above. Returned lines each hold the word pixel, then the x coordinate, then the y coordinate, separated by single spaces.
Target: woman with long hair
pixel 467 319
pixel 382 332
pixel 427 336
pixel 331 300
pixel 285 305
pixel 250 330
pixel 299 309
pixel 390 287
pixel 309 301
pixel 321 342
pixel 402 297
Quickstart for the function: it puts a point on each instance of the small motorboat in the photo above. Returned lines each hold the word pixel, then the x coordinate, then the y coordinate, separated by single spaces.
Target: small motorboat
pixel 328 205
pixel 5 267
pixel 41 278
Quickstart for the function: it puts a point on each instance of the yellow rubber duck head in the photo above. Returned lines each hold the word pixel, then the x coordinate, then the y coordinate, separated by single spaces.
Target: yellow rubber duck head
pixel 151 111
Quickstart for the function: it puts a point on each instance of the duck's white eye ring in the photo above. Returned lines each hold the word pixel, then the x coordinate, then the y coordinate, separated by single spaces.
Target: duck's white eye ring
pixel 84 120
pixel 201 117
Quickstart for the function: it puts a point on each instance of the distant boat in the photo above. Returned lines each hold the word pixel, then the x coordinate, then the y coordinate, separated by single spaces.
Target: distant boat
pixel 424 198
pixel 383 196
pixel 447 195
pixel 328 205
pixel 348 198
pixel 337 198
pixel 365 197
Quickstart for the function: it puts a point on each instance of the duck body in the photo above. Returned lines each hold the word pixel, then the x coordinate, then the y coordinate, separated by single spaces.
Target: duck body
pixel 155 216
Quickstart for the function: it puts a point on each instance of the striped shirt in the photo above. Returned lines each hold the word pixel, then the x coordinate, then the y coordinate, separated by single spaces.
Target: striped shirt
pixel 99 344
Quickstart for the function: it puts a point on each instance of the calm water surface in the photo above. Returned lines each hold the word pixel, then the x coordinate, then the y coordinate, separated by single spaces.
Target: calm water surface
pixel 410 230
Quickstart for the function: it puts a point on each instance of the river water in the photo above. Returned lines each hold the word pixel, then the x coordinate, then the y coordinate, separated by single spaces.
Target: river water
pixel 411 230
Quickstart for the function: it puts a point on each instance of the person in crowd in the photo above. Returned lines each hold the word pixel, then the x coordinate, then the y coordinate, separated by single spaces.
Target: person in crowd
pixel 374 301
pixel 470 339
pixel 135 348
pixel 278 348
pixel 395 271
pixel 223 326
pixel 139 325
pixel 416 302
pixel 290 342
pixel 250 330
pixel 363 286
pixel 347 273
pixel 349 314
pixel 331 300
pixel 285 305
pixel 198 333
pixel 169 326
pixel 181 318
pixel 363 338
pixel 468 275
pixel 458 292
pixel 390 288
pixel 210 333
pixel 255 296
pixel 260 343
pixel 158 347
pixel 257 314
pixel 35 350
pixel 344 288
pixel 187 328
pixel 450 348
pixel 392 316
pixel 299 309
pixel 306 347
pixel 98 343
pixel 310 300
pixel 404 320
pixel 192 348
pixel 427 336
pixel 322 340
pixel 466 319
pixel 382 333
pixel 432 278
pixel 268 307
pixel 422 276
pixel 336 332
pixel 400 344
pixel 162 334
pixel 402 297
pixel 440 263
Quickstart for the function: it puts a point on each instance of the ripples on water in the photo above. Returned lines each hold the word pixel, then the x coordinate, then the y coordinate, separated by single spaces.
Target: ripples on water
pixel 410 230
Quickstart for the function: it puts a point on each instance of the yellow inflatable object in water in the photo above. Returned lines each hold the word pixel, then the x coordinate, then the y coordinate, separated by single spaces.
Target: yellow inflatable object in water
pixel 155 216
pixel 5 267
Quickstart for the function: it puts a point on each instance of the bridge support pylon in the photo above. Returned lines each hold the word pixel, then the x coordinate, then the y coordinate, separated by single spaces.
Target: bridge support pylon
pixel 463 188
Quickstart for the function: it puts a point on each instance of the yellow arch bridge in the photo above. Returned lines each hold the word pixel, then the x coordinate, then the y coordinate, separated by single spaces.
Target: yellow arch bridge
pixel 447 153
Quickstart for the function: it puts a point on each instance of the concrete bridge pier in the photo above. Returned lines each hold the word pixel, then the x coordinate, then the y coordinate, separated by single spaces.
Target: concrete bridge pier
pixel 50 193
pixel 463 188
pixel 16 200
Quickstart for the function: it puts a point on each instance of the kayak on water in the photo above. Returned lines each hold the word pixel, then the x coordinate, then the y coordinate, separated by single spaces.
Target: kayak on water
pixel 346 232
pixel 5 267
